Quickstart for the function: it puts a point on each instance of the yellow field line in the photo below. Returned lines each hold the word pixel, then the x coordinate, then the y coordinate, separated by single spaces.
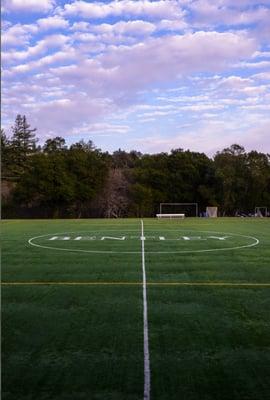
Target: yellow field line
pixel 228 284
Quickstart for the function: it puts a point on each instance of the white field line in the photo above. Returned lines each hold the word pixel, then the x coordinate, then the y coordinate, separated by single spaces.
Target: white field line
pixel 145 326
pixel 97 283
pixel 255 243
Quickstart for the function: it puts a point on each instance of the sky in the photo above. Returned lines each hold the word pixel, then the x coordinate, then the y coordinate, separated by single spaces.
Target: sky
pixel 145 75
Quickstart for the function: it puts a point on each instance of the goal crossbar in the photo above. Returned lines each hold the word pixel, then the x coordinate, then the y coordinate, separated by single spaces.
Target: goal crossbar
pixel 162 205
pixel 170 215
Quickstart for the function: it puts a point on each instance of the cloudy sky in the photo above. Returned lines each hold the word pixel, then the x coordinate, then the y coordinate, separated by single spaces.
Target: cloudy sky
pixel 144 75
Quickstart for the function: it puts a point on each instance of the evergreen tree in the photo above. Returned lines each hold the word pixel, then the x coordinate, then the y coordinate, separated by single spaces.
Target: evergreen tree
pixel 53 145
pixel 5 154
pixel 233 177
pixel 23 143
pixel 84 146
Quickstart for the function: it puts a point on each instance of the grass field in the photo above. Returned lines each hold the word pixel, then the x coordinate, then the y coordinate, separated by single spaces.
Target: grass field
pixel 72 300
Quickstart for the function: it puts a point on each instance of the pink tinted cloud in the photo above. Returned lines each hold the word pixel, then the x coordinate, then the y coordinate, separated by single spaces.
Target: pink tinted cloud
pixel 163 59
pixel 207 12
pixel 28 5
pixel 127 8
pixel 64 115
pixel 41 47
pixel 210 137
pixel 158 60
pixel 17 35
pixel 54 22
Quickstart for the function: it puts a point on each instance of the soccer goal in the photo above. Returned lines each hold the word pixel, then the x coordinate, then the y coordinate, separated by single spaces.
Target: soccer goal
pixel 211 212
pixel 261 212
pixel 177 210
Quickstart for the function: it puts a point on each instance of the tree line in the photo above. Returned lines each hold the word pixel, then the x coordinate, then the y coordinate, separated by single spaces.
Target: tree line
pixel 57 180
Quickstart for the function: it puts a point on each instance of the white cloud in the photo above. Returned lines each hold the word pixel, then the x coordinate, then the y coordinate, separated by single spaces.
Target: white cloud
pixel 121 71
pixel 118 55
pixel 258 137
pixel 234 82
pixel 50 42
pixel 207 12
pixel 136 28
pixel 163 59
pixel 261 54
pixel 209 137
pixel 244 3
pixel 101 129
pixel 262 76
pixel 81 26
pixel 67 54
pixel 127 8
pixel 54 22
pixel 257 107
pixel 18 35
pixel 255 65
pixel 76 114
pixel 172 25
pixel 85 37
pixel 28 5
pixel 124 32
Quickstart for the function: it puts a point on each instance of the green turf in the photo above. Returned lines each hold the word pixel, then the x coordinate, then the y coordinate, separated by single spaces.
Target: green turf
pixel 86 342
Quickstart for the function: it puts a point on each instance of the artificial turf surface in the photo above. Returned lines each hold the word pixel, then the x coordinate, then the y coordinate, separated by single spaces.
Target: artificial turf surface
pixel 85 341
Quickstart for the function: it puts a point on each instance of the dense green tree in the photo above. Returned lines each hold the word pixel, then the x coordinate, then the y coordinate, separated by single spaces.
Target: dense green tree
pixel 258 167
pixel 142 200
pixel 63 182
pixel 53 145
pixel 84 146
pixel 47 183
pixel 123 159
pixel 178 177
pixel 233 177
pixel 6 156
pixel 23 144
pixel 89 171
pixel 83 181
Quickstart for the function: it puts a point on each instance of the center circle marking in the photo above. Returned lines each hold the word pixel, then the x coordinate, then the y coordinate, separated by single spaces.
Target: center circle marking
pixel 254 242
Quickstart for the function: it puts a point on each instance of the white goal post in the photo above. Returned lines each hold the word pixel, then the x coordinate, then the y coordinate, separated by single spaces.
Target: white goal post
pixel 261 212
pixel 178 210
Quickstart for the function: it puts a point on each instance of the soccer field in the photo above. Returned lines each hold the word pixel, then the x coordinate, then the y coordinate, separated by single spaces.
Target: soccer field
pixel 133 309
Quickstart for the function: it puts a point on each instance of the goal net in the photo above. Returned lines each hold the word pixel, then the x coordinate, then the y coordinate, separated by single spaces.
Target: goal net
pixel 211 212
pixel 261 212
pixel 188 209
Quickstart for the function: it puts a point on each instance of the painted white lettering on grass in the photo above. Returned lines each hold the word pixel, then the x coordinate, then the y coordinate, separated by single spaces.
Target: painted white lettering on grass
pixel 122 238
pixel 202 238
pixel 219 237
pixel 223 241
pixel 145 326
pixel 113 238
pixel 60 238
pixel 193 238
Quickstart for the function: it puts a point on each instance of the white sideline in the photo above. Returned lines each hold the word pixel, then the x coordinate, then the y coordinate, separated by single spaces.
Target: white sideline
pixel 146 395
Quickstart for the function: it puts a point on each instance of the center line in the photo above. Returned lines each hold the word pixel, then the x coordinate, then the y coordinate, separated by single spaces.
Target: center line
pixel 145 326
